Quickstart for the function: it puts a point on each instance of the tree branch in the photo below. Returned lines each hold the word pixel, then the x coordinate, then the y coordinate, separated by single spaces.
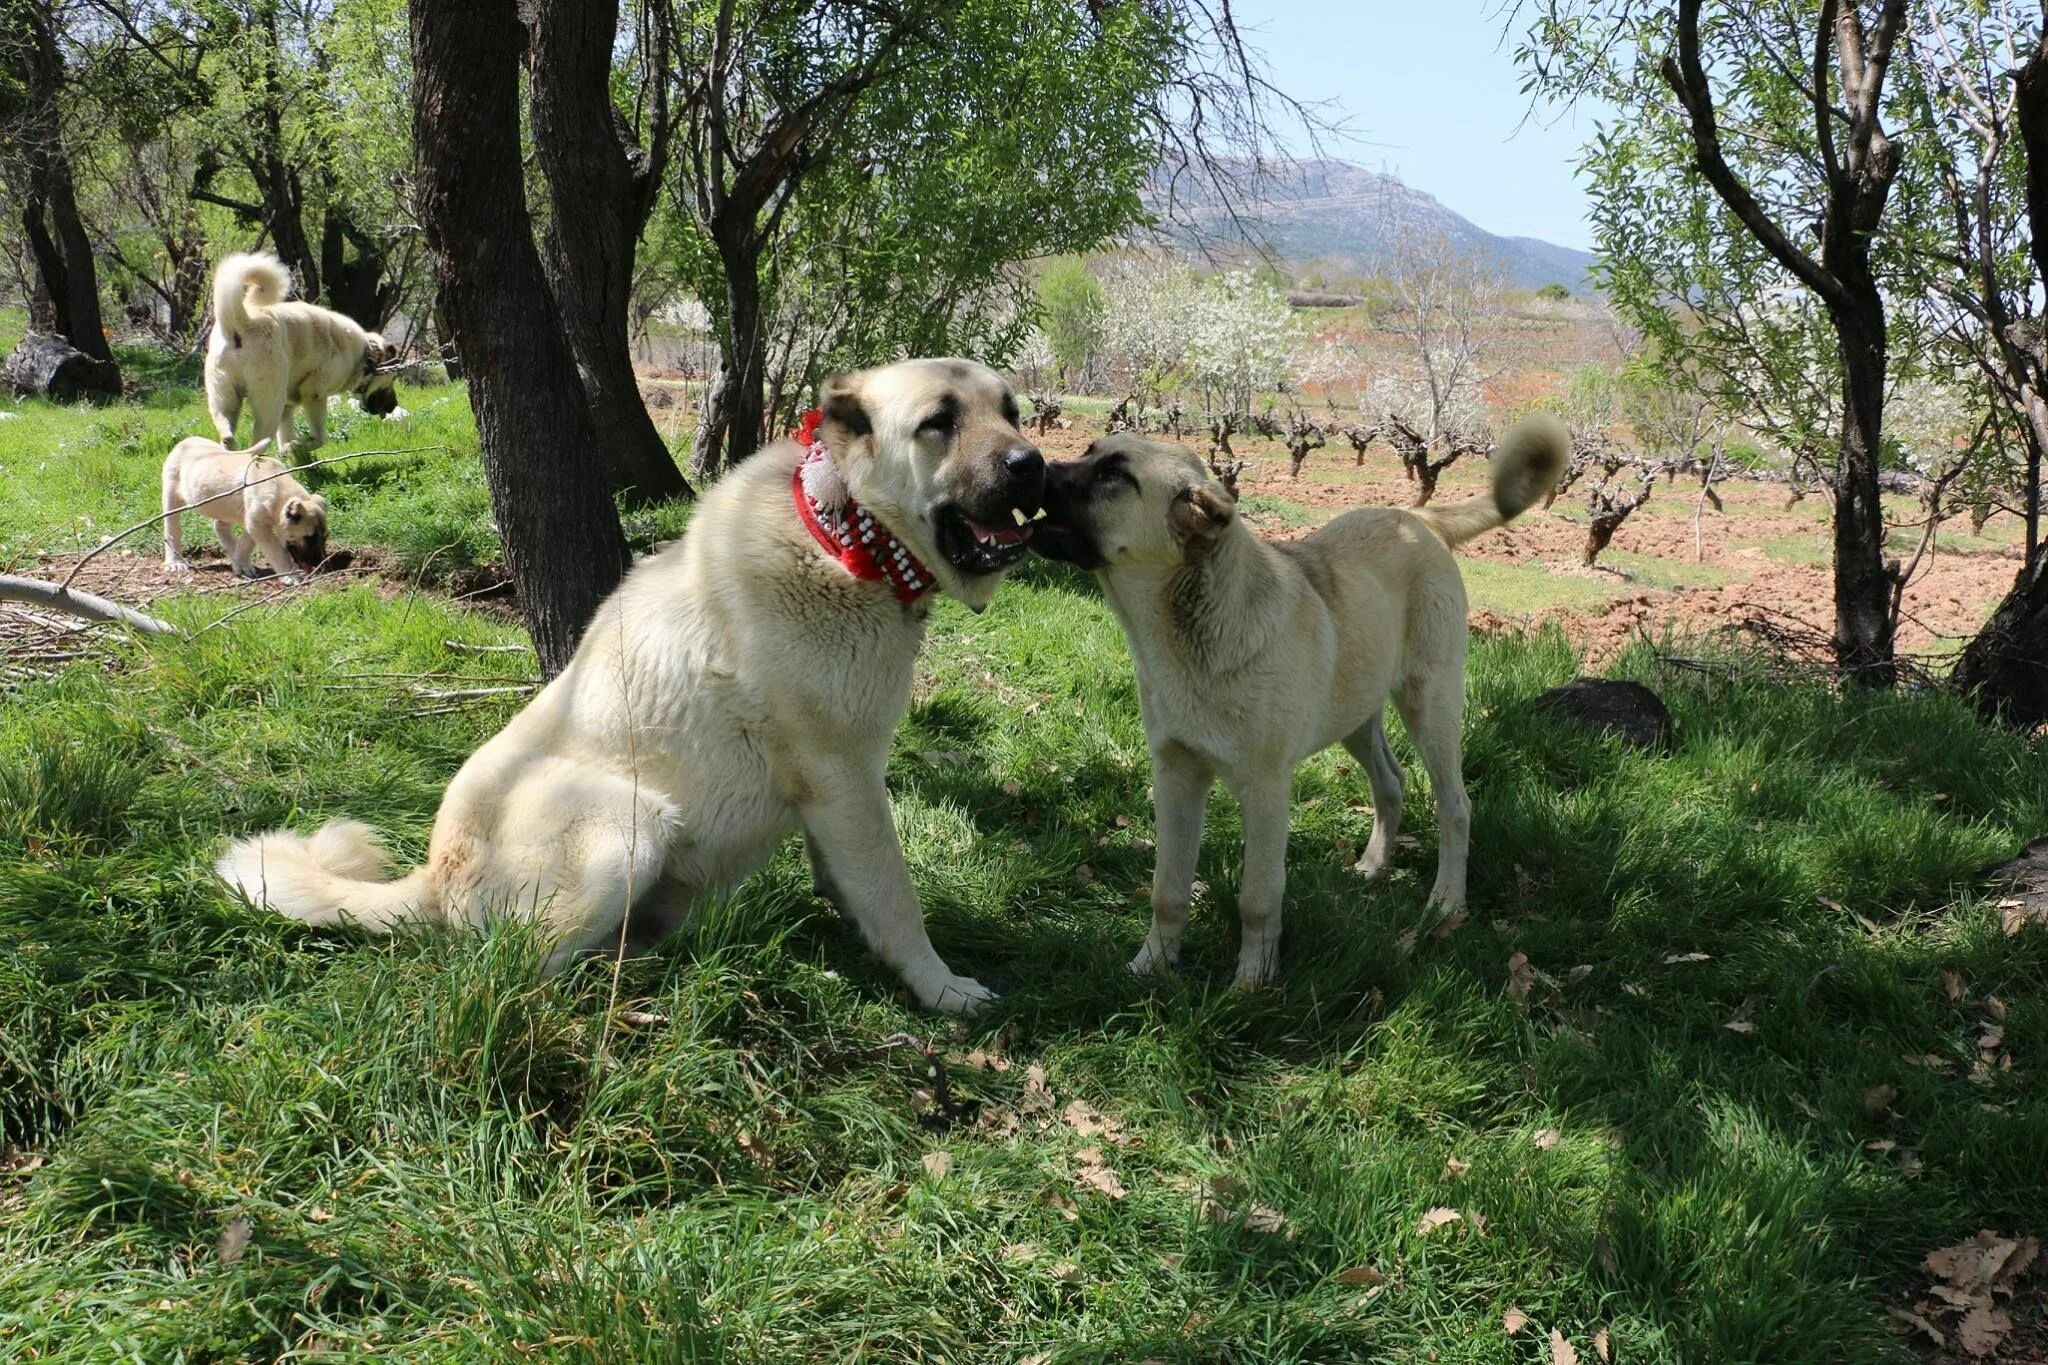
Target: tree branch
pixel 1688 80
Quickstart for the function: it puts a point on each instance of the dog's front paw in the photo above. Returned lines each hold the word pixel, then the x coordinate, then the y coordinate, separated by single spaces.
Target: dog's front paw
pixel 961 995
pixel 1256 961
pixel 1155 958
pixel 1372 864
pixel 177 566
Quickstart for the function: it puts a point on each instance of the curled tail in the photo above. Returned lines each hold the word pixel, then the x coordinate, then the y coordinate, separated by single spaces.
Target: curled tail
pixel 245 284
pixel 1526 466
pixel 338 875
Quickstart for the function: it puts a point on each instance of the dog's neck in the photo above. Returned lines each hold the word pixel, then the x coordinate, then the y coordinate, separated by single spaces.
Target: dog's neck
pixel 846 531
pixel 1212 609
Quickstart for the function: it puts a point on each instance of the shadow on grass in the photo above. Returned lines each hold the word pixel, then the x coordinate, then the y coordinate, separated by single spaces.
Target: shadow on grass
pixel 1730 1103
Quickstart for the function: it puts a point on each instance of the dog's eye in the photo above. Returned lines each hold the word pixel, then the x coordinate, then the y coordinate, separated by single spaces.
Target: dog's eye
pixel 1113 472
pixel 1010 412
pixel 940 423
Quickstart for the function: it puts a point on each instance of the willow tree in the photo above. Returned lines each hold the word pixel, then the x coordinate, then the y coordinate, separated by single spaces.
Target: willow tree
pixel 1756 160
pixel 912 150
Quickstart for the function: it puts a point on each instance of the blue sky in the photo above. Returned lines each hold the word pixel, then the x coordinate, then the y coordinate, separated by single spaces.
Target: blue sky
pixel 1430 91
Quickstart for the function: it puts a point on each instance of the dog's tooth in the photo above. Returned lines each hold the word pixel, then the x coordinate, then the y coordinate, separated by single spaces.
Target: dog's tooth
pixel 1018 513
pixel 1039 515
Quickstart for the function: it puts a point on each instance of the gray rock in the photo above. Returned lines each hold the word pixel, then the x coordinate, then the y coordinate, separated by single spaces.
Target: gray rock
pixel 1629 711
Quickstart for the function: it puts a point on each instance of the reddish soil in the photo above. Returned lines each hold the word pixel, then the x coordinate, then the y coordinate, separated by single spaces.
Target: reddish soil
pixel 1760 556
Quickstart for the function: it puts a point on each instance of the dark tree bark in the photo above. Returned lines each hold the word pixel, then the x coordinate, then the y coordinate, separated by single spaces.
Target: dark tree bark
pixel 549 489
pixel 2004 670
pixel 31 119
pixel 1858 177
pixel 601 200
pixel 738 179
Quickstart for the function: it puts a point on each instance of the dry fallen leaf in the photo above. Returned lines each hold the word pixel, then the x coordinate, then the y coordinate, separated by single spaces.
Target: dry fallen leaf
pixel 936 1164
pixel 998 1121
pixel 1579 973
pixel 1093 1175
pixel 1083 873
pixel 1453 1168
pixel 1265 1218
pixel 1082 1118
pixel 1601 1347
pixel 1037 1094
pixel 1012 787
pixel 1065 1206
pixel 757 1149
pixel 234 1240
pixel 1360 1274
pixel 642 1018
pixel 1982 1328
pixel 1066 1272
pixel 1521 976
pixel 1513 1321
pixel 1448 925
pixel 1434 1219
pixel 1951 984
pixel 1022 1253
pixel 1688 957
pixel 1914 1320
pixel 1562 1352
pixel 1739 1021
pixel 979 1060
pixel 1405 944
pixel 1547 1138
pixel 1879 1098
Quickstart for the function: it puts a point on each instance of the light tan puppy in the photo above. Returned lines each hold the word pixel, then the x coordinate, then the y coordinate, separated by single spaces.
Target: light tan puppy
pixel 283 354
pixel 249 489
pixel 742 684
pixel 1252 655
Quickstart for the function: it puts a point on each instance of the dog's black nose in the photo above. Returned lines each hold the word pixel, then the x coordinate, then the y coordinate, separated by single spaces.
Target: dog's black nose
pixel 1024 462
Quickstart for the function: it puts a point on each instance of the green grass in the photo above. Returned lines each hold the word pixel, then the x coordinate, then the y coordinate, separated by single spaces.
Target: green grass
pixel 438 1156
pixel 1270 512
pixel 1521 589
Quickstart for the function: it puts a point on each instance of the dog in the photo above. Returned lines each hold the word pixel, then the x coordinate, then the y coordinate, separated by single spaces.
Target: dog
pixel 282 354
pixel 1252 655
pixel 740 685
pixel 245 488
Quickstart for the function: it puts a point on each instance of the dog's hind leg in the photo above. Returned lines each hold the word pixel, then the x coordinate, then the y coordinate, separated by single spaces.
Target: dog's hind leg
pixel 1180 788
pixel 1264 800
pixel 224 403
pixel 237 548
pixel 1431 707
pixel 316 422
pixel 1368 744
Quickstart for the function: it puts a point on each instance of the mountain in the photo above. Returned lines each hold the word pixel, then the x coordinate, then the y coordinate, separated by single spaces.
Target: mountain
pixel 1347 217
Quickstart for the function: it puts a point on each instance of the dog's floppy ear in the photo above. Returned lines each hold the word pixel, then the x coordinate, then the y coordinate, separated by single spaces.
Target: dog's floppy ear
pixel 295 511
pixel 839 400
pixel 1201 511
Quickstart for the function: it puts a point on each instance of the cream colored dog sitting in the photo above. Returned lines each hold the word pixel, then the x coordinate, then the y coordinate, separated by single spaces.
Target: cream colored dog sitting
pixel 743 684
pixel 249 489
pixel 1252 655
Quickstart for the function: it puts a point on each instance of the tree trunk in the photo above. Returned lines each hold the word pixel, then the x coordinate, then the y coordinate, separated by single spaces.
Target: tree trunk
pixel 732 429
pixel 599 209
pixel 2005 669
pixel 549 488
pixel 357 288
pixel 57 238
pixel 1863 585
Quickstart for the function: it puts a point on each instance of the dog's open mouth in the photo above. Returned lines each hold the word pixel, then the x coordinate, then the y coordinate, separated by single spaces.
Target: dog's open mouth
pixel 983 547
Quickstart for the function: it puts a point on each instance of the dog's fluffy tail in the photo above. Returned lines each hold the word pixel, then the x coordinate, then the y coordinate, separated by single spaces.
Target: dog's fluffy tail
pixel 337 875
pixel 1526 466
pixel 246 284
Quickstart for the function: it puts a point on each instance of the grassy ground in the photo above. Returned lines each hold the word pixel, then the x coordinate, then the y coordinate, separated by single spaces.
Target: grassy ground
pixel 1724 1120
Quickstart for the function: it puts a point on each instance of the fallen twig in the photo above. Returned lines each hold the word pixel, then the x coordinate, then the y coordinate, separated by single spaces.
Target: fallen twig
pixel 61 597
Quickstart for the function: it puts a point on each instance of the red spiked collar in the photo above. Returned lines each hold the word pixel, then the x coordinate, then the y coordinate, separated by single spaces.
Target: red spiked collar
pixel 844 529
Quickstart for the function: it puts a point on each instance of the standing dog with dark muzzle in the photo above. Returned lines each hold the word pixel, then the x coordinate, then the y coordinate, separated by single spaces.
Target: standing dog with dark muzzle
pixel 1252 655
